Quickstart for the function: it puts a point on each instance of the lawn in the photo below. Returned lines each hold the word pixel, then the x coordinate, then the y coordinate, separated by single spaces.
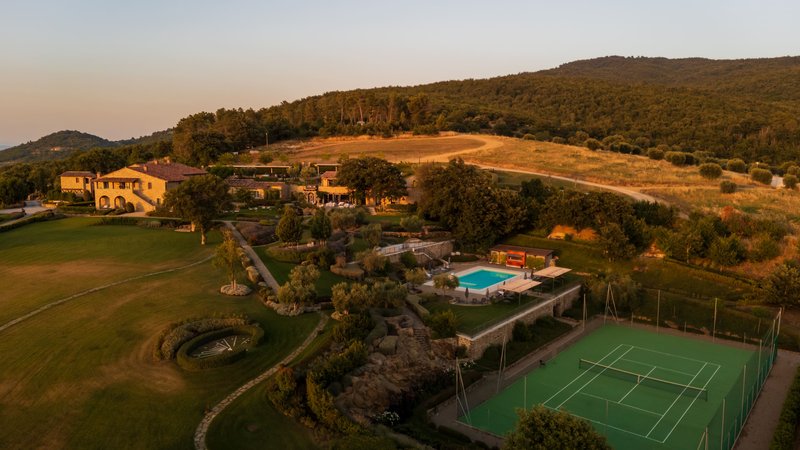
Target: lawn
pixel 48 261
pixel 251 420
pixel 280 270
pixel 81 375
pixel 474 318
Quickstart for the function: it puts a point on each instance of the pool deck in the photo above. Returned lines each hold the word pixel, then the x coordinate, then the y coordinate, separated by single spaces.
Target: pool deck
pixel 478 294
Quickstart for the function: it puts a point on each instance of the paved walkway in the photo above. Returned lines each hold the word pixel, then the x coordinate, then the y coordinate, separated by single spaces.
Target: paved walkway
pixel 202 429
pixel 31 208
pixel 259 265
pixel 41 309
pixel 763 420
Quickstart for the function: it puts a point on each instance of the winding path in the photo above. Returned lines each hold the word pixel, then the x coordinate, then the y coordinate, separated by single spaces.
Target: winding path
pixel 41 309
pixel 259 265
pixel 202 429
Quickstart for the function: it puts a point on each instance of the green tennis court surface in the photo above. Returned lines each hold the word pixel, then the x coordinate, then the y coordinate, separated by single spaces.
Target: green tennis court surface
pixel 640 389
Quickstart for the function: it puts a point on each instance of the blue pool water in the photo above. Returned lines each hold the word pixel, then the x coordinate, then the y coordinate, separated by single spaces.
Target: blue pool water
pixel 483 278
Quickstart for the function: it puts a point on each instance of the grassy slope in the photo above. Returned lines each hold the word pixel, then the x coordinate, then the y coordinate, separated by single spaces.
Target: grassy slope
pixel 82 376
pixel 52 260
pixel 280 270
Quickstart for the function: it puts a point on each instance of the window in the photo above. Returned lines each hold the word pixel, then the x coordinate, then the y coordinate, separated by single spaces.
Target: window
pixel 77 181
pixel 105 184
pixel 158 201
pixel 149 185
pixel 85 181
pixel 122 185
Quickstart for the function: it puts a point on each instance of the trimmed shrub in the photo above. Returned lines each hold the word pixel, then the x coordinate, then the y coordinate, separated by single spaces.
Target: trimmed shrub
pixel 178 333
pixel 727 187
pixel 124 221
pixel 785 434
pixel 736 165
pixel 38 217
pixel 655 154
pixel 408 260
pixel 194 364
pixel 289 254
pixel 129 208
pixel 710 171
pixel 762 176
pixel 521 332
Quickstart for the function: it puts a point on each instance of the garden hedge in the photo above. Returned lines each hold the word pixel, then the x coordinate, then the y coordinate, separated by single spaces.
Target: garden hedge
pixel 785 434
pixel 38 217
pixel 193 364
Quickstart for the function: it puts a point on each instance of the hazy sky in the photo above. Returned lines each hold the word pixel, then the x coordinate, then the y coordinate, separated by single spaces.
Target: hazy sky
pixel 123 68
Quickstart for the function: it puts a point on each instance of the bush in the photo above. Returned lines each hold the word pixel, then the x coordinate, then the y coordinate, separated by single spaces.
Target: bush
pixel 193 364
pixel 350 272
pixel 408 260
pixel 785 434
pixel 289 254
pixel 736 165
pixel 178 333
pixel 762 176
pixel 655 154
pixel 710 171
pixel 321 257
pixel 443 324
pixel 727 251
pixel 521 332
pixel 256 234
pixel 411 223
pixel 38 217
pixel 593 144
pixel 727 187
pixel 676 158
pixel 129 208
pixel 129 221
pixel 764 248
pixel 352 326
pixel 790 181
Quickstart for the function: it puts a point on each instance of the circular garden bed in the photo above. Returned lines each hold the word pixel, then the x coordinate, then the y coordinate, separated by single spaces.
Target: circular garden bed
pixel 219 347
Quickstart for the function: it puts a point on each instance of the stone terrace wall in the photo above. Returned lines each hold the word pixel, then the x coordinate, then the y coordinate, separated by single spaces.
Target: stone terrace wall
pixel 496 334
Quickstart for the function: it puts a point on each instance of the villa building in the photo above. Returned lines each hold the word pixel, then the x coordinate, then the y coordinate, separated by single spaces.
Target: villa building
pixel 80 183
pixel 142 185
pixel 261 190
pixel 518 256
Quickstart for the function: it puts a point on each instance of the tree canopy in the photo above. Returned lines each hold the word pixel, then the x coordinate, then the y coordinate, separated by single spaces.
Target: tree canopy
pixel 544 429
pixel 371 176
pixel 200 199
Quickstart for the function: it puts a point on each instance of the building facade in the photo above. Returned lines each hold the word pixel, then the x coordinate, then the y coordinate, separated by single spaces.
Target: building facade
pixel 142 185
pixel 78 182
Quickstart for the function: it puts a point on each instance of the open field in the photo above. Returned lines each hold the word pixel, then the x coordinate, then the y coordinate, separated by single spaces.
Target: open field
pixel 409 149
pixel 81 375
pixel 681 186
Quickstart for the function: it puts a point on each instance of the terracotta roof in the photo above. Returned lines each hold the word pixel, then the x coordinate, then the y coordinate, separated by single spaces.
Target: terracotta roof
pixel 78 173
pixel 517 248
pixel 329 175
pixel 249 183
pixel 116 179
pixel 168 171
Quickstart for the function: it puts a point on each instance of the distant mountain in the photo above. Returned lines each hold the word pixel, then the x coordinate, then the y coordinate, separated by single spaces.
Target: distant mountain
pixel 62 144
pixel 3 147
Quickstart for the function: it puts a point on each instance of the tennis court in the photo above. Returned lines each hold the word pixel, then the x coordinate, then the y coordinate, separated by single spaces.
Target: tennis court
pixel 640 389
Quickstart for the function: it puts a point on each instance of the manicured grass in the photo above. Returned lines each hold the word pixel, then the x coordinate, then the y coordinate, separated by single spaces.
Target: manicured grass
pixel 82 375
pixel 48 261
pixel 280 270
pixel 474 318
pixel 251 421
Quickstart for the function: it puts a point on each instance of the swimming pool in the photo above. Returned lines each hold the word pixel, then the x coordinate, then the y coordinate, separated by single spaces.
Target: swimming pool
pixel 483 278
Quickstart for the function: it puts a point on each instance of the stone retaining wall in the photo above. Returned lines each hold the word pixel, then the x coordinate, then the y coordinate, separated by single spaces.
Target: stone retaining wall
pixel 495 335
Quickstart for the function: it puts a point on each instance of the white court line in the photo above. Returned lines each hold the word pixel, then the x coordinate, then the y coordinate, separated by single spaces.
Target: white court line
pixel 607 425
pixel 621 404
pixel 658 367
pixel 634 386
pixel 581 374
pixel 676 356
pixel 690 406
pixel 594 377
pixel 678 398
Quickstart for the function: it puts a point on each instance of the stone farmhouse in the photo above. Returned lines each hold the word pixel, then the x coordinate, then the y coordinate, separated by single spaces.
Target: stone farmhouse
pixel 78 182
